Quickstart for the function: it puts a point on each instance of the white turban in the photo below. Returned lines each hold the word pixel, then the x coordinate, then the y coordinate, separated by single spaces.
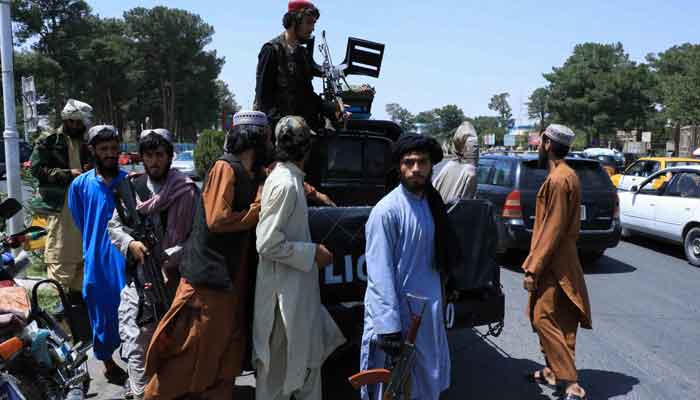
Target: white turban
pixel 77 110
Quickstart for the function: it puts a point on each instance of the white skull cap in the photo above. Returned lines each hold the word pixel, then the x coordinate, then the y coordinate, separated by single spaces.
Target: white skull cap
pixel 257 118
pixel 560 134
pixel 162 132
pixel 97 129
pixel 79 111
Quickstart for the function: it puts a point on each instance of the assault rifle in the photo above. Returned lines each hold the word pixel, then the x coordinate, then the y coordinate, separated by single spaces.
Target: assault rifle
pixel 333 77
pixel 396 379
pixel 155 297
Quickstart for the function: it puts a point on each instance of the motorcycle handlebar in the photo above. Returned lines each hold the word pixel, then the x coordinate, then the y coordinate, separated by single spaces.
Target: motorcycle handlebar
pixel 13 266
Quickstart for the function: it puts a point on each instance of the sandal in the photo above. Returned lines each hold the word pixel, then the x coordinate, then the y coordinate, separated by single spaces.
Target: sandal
pixel 116 376
pixel 538 378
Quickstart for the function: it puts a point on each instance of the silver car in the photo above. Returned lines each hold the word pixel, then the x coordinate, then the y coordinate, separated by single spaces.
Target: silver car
pixel 184 162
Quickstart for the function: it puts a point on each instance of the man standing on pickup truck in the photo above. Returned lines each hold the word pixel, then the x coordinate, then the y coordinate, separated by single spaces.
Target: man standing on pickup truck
pixel 286 68
pixel 456 179
pixel 198 347
pixel 406 253
pixel 558 296
pixel 166 198
pixel 293 333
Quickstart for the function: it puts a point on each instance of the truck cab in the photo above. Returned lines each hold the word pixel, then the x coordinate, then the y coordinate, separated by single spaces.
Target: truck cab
pixel 353 167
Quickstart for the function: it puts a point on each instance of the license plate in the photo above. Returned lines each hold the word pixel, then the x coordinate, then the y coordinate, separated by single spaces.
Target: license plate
pixel 583 213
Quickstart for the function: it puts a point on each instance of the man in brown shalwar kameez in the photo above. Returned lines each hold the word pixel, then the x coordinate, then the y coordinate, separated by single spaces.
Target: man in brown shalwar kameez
pixel 553 275
pixel 199 346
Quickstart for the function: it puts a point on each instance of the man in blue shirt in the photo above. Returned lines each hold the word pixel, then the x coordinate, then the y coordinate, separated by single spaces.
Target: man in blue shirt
pixel 91 203
pixel 404 257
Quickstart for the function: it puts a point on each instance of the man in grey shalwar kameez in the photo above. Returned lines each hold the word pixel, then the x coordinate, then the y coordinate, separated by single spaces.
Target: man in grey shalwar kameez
pixel 456 179
pixel 401 256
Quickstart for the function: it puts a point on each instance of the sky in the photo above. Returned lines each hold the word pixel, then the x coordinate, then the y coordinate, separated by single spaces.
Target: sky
pixel 443 52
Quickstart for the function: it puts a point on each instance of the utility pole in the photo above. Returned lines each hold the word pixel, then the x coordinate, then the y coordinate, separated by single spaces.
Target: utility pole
pixel 14 183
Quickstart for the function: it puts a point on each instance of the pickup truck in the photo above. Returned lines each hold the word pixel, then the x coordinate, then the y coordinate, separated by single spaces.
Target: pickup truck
pixel 353 166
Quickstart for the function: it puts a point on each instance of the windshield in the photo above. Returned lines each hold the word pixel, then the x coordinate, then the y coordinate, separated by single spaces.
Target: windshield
pixel 184 156
pixel 590 174
pixel 680 163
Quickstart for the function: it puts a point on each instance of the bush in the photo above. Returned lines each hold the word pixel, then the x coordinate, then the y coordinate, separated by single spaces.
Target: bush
pixel 210 146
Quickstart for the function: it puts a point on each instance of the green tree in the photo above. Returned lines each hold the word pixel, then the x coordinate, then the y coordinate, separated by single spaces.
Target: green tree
pixel 488 125
pixel 450 117
pixel 210 146
pixel 429 121
pixel 678 91
pixel 499 104
pixel 401 116
pixel 180 74
pixel 226 98
pixel 599 90
pixel 537 107
pixel 59 29
pixel 110 82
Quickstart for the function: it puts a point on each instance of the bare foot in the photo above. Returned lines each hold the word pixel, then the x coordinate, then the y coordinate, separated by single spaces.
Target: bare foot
pixel 574 388
pixel 547 375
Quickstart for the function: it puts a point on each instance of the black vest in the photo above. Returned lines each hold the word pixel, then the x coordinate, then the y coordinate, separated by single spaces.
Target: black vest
pixel 295 93
pixel 211 259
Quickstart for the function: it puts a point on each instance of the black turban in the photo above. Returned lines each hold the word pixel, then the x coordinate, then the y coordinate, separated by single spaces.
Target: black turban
pixel 418 143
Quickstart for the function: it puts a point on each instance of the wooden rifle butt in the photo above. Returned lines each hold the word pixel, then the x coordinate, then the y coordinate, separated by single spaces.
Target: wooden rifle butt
pixel 370 377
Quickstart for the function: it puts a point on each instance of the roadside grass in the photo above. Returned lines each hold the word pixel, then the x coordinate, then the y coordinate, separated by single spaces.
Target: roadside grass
pixel 48 299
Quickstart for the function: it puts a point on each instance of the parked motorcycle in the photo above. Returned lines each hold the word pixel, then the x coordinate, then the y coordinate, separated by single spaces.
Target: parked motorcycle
pixel 38 360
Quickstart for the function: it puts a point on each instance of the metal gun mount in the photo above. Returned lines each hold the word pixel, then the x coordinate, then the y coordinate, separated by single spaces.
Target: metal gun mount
pixel 362 57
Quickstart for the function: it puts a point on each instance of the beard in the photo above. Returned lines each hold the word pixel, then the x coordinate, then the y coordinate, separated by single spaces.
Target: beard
pixel 414 186
pixel 543 158
pixel 75 132
pixel 158 175
pixel 264 155
pixel 106 170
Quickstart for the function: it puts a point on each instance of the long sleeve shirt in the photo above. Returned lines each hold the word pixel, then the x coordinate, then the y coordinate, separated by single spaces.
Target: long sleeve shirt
pixel 92 204
pixel 400 256
pixel 288 279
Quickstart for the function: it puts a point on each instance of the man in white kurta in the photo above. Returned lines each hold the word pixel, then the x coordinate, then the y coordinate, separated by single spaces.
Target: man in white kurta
pixel 293 333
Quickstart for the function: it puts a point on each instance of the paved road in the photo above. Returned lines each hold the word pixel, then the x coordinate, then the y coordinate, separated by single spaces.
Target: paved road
pixel 646 317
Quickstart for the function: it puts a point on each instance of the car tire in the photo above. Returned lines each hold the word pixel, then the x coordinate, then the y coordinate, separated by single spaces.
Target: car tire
pixel 691 245
pixel 625 233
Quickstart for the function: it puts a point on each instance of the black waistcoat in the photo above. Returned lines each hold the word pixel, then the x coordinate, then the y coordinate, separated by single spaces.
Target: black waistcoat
pixel 211 259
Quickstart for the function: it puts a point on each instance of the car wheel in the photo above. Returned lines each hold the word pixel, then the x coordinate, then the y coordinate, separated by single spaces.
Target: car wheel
pixel 625 233
pixel 692 246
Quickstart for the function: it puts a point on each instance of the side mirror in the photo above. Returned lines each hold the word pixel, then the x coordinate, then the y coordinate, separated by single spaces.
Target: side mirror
pixel 634 188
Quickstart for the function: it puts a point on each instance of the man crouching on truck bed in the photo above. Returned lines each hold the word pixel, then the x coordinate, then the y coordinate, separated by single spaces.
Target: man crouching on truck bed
pixel 408 251
pixel 293 333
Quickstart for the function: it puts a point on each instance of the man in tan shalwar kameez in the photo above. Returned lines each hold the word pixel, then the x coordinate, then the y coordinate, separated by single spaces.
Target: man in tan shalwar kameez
pixel 553 275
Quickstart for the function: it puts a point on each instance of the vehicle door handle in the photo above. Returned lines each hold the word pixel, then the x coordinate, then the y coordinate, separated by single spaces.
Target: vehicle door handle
pixel 652 205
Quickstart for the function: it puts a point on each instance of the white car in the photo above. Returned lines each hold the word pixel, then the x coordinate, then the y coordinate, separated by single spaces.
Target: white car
pixel 185 163
pixel 670 213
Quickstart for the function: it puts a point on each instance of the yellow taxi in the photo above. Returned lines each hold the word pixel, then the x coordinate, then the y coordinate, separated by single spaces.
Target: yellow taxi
pixel 646 166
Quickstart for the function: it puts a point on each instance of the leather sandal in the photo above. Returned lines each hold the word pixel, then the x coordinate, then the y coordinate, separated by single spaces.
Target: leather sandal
pixel 540 380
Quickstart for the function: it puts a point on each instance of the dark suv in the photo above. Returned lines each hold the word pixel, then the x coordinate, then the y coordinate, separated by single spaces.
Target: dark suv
pixel 511 183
